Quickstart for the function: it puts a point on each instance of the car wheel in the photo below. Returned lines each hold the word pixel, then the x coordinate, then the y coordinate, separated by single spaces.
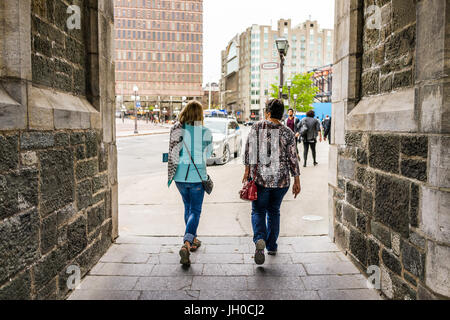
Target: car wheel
pixel 226 155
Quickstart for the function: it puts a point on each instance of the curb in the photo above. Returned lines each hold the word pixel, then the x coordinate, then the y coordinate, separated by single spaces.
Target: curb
pixel 141 134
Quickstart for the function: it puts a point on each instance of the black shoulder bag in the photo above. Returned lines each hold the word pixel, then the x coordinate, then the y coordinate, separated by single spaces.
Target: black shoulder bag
pixel 208 185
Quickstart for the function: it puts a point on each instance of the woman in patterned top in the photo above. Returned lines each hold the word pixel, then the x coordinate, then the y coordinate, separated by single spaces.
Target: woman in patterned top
pixel 270 157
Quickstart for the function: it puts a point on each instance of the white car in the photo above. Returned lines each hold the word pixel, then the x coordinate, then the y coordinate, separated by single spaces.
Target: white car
pixel 227 139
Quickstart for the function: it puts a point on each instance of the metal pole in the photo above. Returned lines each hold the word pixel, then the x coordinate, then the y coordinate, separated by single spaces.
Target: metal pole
pixel 135 113
pixel 290 97
pixel 280 94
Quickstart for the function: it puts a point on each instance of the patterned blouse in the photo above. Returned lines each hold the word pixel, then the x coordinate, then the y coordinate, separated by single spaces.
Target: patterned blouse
pixel 271 152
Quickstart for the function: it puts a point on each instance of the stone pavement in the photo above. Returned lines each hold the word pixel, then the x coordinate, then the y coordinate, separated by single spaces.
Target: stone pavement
pixel 147 268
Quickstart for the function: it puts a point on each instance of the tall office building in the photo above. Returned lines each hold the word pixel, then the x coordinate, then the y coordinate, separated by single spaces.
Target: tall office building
pixel 246 86
pixel 159 49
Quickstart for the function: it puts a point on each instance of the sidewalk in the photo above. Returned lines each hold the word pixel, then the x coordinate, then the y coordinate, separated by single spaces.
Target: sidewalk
pixel 126 128
pixel 147 268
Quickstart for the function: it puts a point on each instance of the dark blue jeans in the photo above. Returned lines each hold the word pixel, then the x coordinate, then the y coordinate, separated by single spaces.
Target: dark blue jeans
pixel 192 194
pixel 267 207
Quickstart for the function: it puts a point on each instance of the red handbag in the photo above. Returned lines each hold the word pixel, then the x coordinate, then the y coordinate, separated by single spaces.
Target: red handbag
pixel 249 191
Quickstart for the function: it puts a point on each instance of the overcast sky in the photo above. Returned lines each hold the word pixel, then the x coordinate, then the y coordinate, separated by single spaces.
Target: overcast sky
pixel 223 19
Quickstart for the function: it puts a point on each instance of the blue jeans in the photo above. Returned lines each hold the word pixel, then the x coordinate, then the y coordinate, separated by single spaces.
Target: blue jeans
pixel 192 194
pixel 267 207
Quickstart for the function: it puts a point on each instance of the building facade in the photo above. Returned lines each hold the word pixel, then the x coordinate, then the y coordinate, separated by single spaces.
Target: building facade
pixel 159 49
pixel 247 85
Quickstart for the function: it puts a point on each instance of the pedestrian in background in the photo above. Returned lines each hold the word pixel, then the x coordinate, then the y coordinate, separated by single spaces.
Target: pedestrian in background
pixel 327 128
pixel 190 145
pixel 293 123
pixel 269 163
pixel 309 129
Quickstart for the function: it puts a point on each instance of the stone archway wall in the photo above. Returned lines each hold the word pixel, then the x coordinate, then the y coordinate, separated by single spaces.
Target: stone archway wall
pixel 58 180
pixel 389 178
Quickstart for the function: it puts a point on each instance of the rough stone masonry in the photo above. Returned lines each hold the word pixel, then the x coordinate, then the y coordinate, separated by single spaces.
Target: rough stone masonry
pixel 58 185
pixel 389 174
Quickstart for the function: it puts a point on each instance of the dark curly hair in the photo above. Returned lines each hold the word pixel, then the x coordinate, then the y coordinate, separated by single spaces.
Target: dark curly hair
pixel 276 108
pixel 310 114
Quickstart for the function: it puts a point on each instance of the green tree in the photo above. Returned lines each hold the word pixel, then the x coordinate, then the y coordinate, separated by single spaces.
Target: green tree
pixel 303 87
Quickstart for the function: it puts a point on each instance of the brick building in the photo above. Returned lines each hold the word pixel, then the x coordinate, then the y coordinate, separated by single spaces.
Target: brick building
pixel 159 49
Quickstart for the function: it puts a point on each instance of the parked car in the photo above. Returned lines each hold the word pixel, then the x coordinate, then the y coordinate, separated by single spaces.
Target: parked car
pixel 227 139
pixel 249 123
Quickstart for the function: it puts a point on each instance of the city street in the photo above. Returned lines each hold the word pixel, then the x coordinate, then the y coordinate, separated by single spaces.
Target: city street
pixel 148 207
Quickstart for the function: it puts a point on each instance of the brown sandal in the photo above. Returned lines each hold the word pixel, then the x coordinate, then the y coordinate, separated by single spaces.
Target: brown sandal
pixel 195 245
pixel 184 254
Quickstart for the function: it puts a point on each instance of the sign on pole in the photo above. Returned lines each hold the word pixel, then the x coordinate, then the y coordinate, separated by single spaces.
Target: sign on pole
pixel 270 66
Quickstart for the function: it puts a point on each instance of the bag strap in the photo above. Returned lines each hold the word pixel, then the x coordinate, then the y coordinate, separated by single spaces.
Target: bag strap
pixel 187 149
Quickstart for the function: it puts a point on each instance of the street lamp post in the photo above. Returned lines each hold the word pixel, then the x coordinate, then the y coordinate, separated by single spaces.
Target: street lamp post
pixel 283 47
pixel 135 89
pixel 295 101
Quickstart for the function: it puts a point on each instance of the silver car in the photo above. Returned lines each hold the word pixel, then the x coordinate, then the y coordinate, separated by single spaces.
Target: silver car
pixel 227 139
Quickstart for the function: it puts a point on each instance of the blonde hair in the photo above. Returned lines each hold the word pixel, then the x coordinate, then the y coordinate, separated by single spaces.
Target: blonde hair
pixel 192 113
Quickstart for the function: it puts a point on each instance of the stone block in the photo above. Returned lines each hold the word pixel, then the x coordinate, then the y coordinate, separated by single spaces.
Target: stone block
pixel 18 288
pixel 365 177
pixel 62 139
pixel 439 171
pixel 367 202
pixel 381 233
pixel 99 183
pixel 401 290
pixel 435 215
pixel 429 101
pixel 392 203
pixel 432 18
pixel 361 221
pixel 49 233
pixel 414 205
pixel 373 252
pixel 353 194
pixel 370 82
pixel 84 194
pixel 9 152
pixel 384 152
pixel 417 240
pixel 56 179
pixel 349 214
pixel 86 169
pixel 29 159
pixel 14 114
pixel 65 214
pixel 358 246
pixel 18 191
pixel 19 243
pixel 77 137
pixel 391 261
pixel 346 168
pixel 49 266
pixel 413 260
pixel 414 168
pixel 36 140
pixel 332 166
pixel 77 237
pixel 91 144
pixel 95 217
pixel 387 112
pixel 414 146
pixel 395 241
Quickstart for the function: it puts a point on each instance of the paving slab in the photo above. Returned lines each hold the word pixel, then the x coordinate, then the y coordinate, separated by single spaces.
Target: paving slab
pixel 170 295
pixel 349 294
pixel 122 269
pixel 331 268
pixel 177 283
pixel 104 295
